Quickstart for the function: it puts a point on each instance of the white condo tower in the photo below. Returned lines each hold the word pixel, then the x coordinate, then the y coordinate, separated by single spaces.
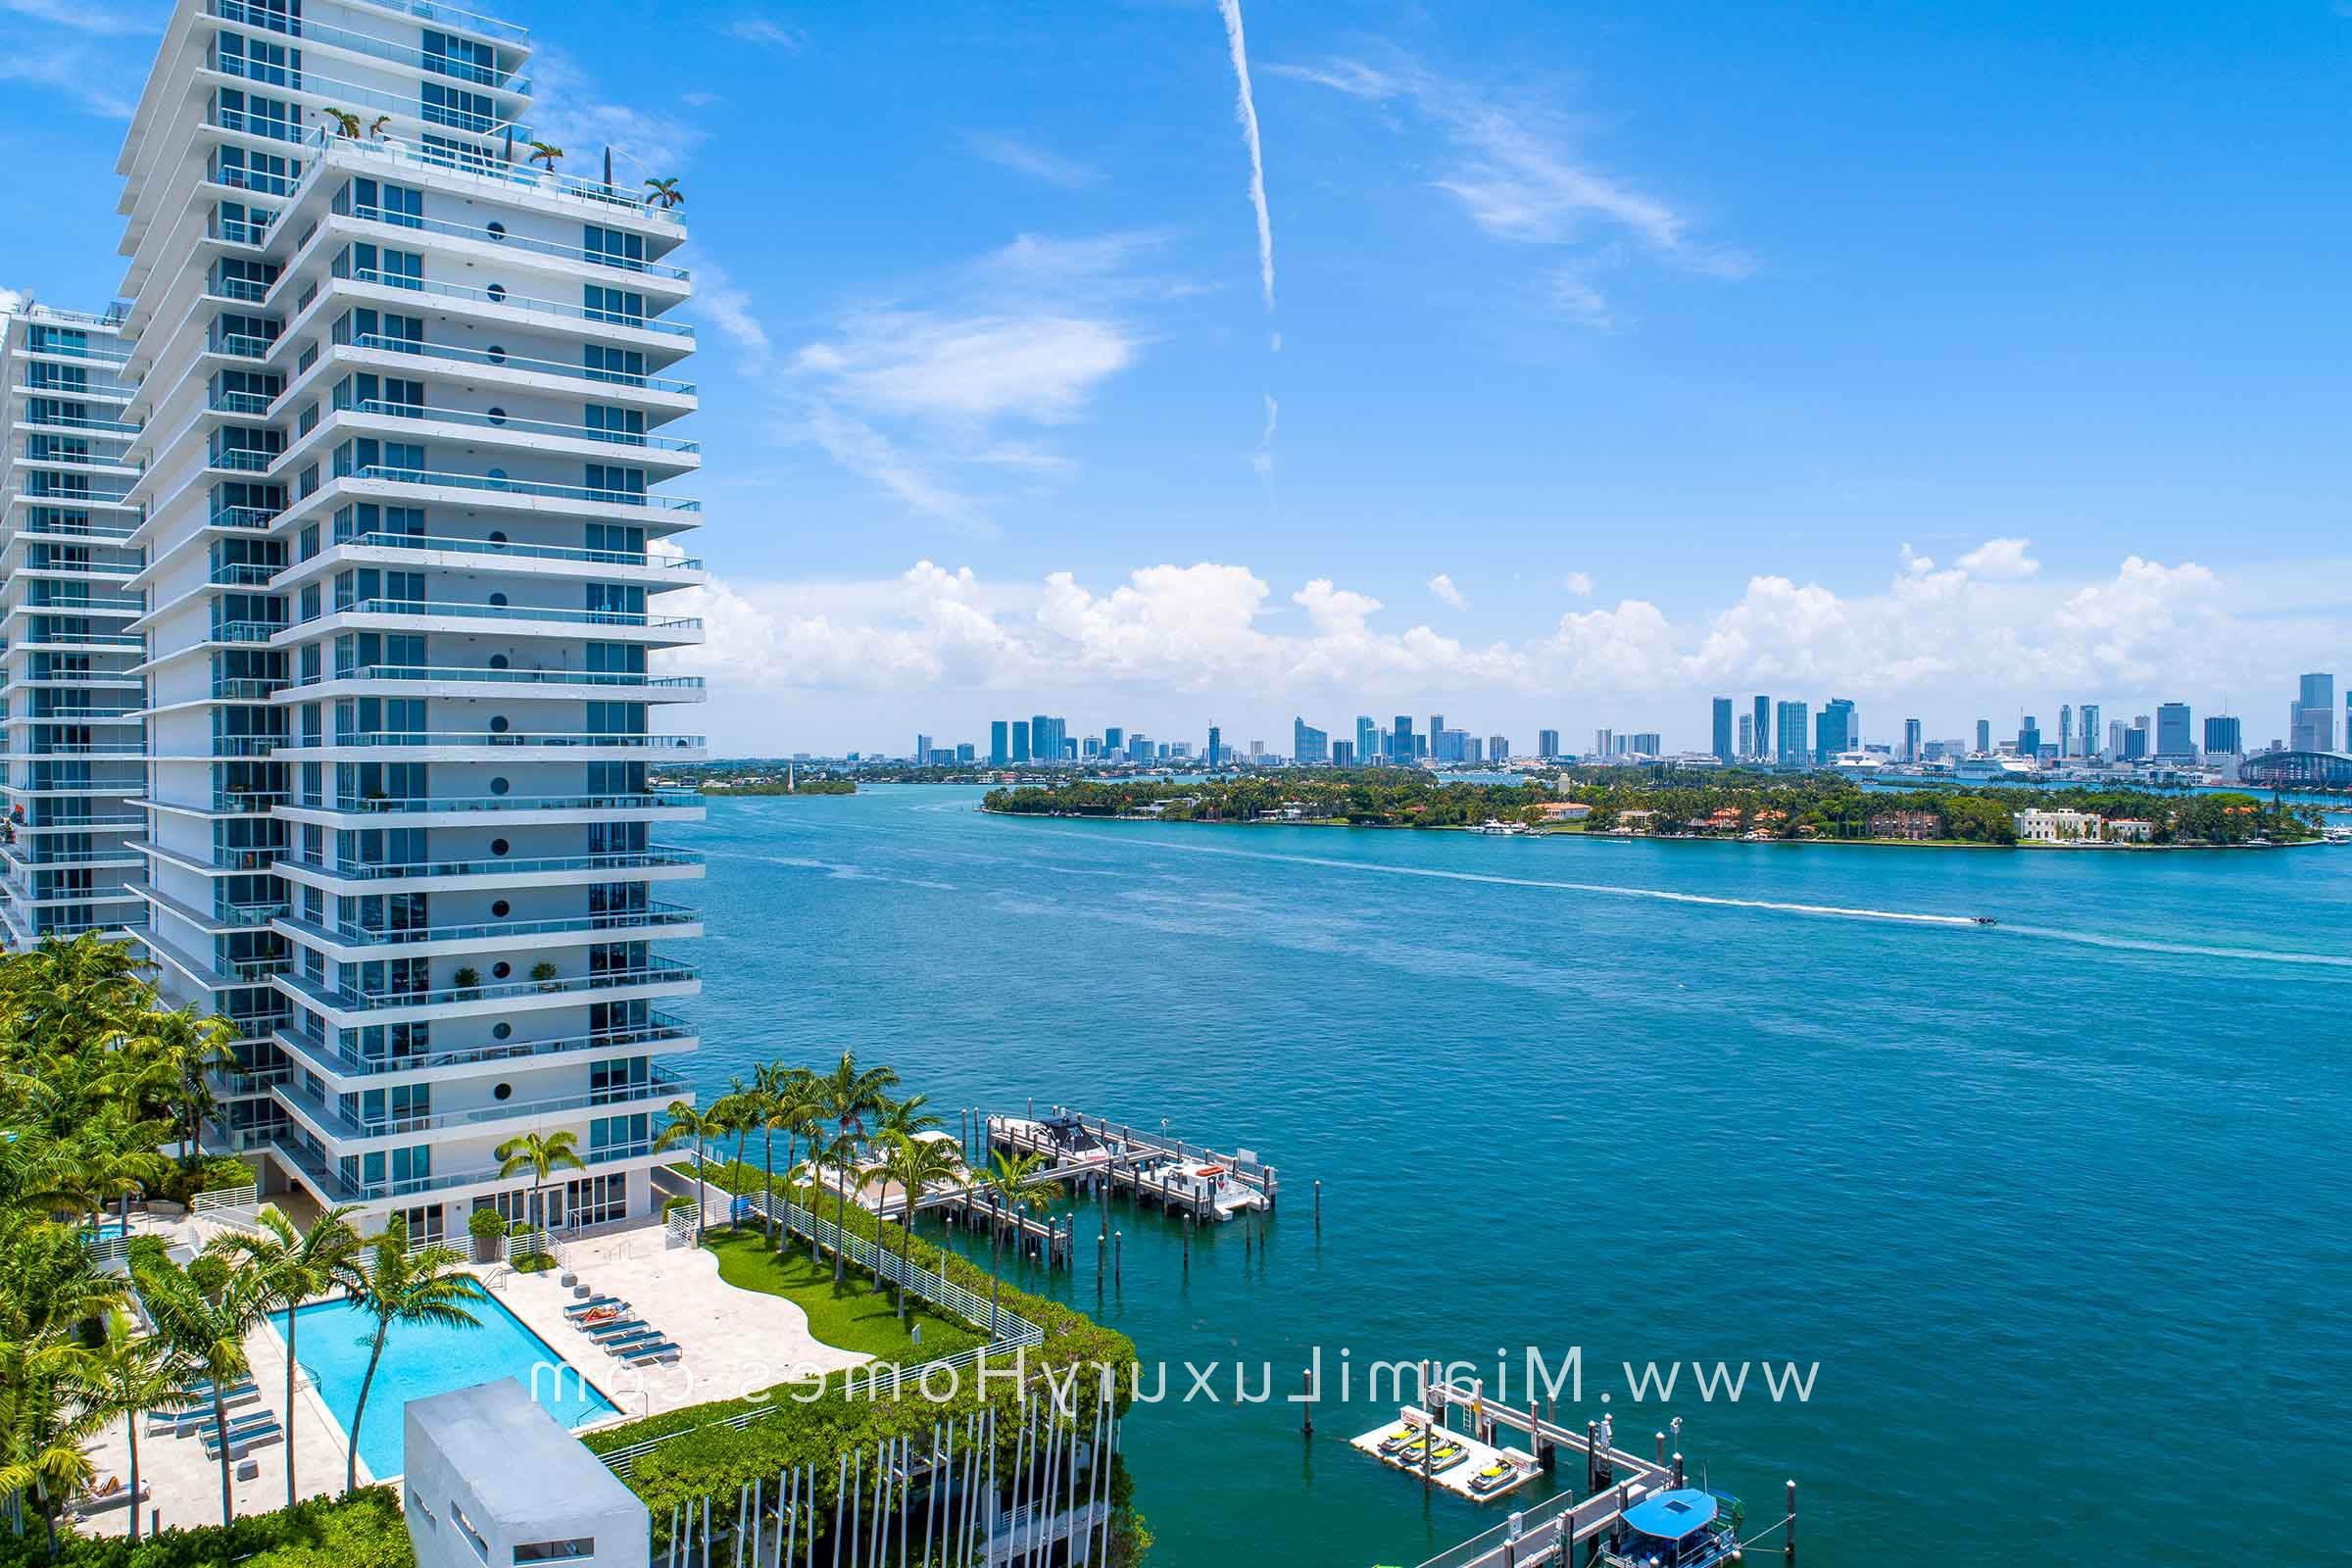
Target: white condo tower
pixel 400 397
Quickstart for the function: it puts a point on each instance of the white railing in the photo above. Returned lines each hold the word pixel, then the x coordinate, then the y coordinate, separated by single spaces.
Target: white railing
pixel 232 1205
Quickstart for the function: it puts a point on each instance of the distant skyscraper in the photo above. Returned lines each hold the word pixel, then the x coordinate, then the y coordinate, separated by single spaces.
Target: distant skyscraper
pixel 1309 746
pixel 1648 743
pixel 2310 722
pixel 1983 734
pixel 922 750
pixel 2028 738
pixel 1548 743
pixel 1020 740
pixel 2089 745
pixel 1049 738
pixel 2223 736
pixel 1748 736
pixel 1216 746
pixel 1139 747
pixel 2116 729
pixel 1722 730
pixel 963 753
pixel 1401 740
pixel 1838 729
pixel 2174 737
pixel 1604 743
pixel 1437 727
pixel 1367 741
pixel 1911 742
pixel 1763 748
pixel 1342 754
pixel 2066 728
pixel 1000 743
pixel 1499 748
pixel 1793 724
pixel 2136 741
pixel 1114 738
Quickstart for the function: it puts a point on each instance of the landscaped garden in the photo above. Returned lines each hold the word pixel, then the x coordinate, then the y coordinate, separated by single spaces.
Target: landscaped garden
pixel 854 1315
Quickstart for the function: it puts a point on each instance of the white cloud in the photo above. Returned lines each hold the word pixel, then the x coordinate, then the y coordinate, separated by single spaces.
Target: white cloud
pixel 1442 586
pixel 1246 109
pixel 2000 558
pixel 13 300
pixel 1263 460
pixel 571 111
pixel 871 456
pixel 729 309
pixel 82 75
pixel 100 20
pixel 1513 168
pixel 1918 565
pixel 1037 367
pixel 1023 157
pixel 1578 583
pixel 769 31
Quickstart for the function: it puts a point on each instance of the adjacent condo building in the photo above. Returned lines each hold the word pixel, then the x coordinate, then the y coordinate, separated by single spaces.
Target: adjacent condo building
pixel 69 761
pixel 363 583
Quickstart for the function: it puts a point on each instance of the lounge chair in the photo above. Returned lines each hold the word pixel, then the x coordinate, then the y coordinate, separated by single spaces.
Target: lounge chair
pixel 646 1354
pixel 180 1419
pixel 114 1495
pixel 597 1317
pixel 629 1345
pixel 618 1326
pixel 579 1309
pixel 258 1431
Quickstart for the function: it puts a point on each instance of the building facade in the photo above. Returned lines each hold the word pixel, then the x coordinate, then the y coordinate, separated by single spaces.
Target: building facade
pixel 405 405
pixel 69 687
pixel 1792 726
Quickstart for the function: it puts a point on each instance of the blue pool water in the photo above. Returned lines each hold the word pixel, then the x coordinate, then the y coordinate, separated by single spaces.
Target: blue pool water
pixel 2060 1206
pixel 332 1341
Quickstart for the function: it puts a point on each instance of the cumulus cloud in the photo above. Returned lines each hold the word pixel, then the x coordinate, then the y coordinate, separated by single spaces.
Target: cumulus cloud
pixel 1578 583
pixel 571 111
pixel 1442 586
pixel 2004 560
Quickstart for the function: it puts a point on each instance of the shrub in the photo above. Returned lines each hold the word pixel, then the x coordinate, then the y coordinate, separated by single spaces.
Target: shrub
pixel 215 1173
pixel 484 1223
pixel 363 1530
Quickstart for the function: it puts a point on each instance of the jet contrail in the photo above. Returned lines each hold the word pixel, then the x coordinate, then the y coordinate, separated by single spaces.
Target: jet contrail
pixel 1245 106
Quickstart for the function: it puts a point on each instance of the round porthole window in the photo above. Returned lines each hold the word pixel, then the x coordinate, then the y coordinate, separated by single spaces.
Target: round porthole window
pixel 498 354
pixel 501 909
pixel 498 726
pixel 498 846
pixel 501 1031
pixel 499 786
pixel 498 536
pixel 497 293
pixel 498 660
pixel 503 1091
pixel 498 415
pixel 499 600
pixel 500 969
pixel 498 231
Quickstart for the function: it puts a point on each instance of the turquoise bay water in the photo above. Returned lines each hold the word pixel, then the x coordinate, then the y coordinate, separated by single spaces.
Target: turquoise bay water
pixel 2060 1207
pixel 332 1342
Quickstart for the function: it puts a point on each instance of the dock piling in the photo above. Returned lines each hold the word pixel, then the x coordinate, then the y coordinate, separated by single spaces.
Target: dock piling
pixel 1117 1263
pixel 1318 1206
pixel 1678 1472
pixel 1306 1404
pixel 1789 1538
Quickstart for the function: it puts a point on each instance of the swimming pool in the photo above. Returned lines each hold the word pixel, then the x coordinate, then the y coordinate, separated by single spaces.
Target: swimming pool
pixel 422 1361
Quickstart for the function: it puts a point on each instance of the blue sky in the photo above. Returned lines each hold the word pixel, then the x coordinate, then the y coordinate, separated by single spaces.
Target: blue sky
pixel 1958 360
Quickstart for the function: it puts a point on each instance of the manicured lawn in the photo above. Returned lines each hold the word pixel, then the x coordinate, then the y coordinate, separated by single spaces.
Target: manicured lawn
pixel 861 1317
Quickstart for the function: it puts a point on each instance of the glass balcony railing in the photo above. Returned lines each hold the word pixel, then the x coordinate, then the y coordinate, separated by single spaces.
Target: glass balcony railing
pixel 495 295
pixel 653 917
pixel 465 805
pixel 465 611
pixel 363 43
pixel 501 547
pixel 502 422
pixel 241 517
pixel 524 677
pixel 626 861
pixel 331 1181
pixel 656 972
pixel 658 1084
pixel 540 488
pixel 519 362
pixel 660 1030
pixel 521 242
pixel 500 740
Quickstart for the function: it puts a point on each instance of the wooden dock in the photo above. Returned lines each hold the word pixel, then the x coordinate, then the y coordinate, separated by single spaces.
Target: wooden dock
pixel 1093 1151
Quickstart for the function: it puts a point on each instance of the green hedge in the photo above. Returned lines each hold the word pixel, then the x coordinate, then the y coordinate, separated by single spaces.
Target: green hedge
pixel 362 1530
pixel 215 1173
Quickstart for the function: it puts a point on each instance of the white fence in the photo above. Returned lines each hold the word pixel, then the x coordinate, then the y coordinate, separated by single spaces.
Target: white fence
pixel 230 1205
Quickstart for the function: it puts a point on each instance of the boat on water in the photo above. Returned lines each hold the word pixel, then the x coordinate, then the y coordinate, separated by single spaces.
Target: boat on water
pixel 1495 828
pixel 1686 1527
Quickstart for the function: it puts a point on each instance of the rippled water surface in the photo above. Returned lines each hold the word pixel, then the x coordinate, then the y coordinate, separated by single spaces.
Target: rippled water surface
pixel 2061 1208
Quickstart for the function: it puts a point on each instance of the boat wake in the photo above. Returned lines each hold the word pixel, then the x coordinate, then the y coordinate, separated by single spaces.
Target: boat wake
pixel 2181 950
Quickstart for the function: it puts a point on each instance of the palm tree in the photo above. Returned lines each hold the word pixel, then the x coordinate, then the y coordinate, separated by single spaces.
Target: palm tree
pixel 540 1153
pixel 50 1412
pixel 376 127
pixel 112 1157
pixel 800 1112
pixel 346 122
pixel 916 1165
pixel 398 1286
pixel 1013 1184
pixel 664 193
pixel 544 153
pixel 290 1268
pixel 184 1046
pixel 737 1111
pixel 685 1121
pixel 138 1373
pixel 849 1093
pixel 203 1312
pixel 776 1084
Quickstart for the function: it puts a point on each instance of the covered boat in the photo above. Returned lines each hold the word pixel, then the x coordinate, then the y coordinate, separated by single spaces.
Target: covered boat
pixel 1686 1527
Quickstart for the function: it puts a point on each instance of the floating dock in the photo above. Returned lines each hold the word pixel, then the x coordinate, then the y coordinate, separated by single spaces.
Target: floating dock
pixel 1514 1467
pixel 1207 1185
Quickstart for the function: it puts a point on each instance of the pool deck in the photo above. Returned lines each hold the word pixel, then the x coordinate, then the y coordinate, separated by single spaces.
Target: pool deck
pixel 731 1342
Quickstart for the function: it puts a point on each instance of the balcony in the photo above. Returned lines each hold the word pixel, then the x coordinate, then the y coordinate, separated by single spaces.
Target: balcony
pixel 651 918
pixel 622 861
pixel 520 677
pixel 662 1030
pixel 490 546
pixel 469 804
pixel 362 43
pixel 520 242
pixel 497 296
pixel 330 1119
pixel 382 344
pixel 329 1181
pixel 569 432
pixel 241 517
pixel 657 972
pixel 521 487
pixel 494 740
pixel 539 612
